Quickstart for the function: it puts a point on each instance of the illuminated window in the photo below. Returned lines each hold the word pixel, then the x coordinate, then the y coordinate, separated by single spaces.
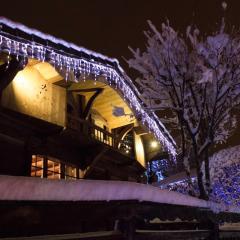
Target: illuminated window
pixel 70 172
pixel 37 166
pixel 127 145
pixel 81 173
pixel 53 169
pixel 48 167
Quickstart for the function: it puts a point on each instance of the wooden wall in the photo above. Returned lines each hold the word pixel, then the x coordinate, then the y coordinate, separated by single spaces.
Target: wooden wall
pixel 12 156
pixel 30 93
pixel 139 150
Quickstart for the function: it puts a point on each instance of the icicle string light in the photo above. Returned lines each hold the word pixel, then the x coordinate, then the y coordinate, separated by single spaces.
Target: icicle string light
pixel 83 67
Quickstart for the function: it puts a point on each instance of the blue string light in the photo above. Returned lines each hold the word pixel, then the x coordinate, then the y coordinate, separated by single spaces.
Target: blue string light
pixel 224 190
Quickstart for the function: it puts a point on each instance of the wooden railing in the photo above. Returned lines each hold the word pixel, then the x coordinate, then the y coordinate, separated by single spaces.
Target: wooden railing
pixel 90 130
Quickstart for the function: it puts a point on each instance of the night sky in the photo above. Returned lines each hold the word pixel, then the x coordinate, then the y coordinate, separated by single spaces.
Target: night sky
pixel 110 26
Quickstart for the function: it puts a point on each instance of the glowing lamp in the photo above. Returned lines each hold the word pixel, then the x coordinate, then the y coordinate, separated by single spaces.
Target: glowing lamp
pixel 154 144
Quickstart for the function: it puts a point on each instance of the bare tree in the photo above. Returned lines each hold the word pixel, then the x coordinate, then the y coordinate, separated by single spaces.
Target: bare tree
pixel 196 81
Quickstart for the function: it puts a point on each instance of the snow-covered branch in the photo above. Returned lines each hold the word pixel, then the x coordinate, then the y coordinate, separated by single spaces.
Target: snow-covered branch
pixel 198 83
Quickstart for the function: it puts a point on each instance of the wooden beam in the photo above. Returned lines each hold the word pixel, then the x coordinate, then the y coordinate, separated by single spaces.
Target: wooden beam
pixel 140 130
pixel 123 133
pixel 9 70
pixel 91 101
pixel 95 161
pixel 84 114
pixel 85 90
pixel 71 103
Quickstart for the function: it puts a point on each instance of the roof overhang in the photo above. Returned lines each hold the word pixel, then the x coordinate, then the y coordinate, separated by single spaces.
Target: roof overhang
pixel 19 40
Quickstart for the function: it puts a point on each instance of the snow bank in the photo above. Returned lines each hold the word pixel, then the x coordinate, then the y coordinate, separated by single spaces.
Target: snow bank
pixel 37 189
pixel 27 188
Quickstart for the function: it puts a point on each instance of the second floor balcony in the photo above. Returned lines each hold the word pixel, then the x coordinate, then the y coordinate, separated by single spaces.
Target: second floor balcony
pixel 92 131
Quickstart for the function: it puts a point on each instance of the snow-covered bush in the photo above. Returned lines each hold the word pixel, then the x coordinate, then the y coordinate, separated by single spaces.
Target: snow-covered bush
pixel 225 177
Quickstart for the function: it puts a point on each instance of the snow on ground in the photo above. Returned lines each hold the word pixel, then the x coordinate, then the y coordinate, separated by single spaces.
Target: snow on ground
pixel 37 189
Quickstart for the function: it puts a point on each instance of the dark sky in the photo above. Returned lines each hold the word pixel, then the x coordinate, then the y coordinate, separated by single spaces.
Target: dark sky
pixel 110 26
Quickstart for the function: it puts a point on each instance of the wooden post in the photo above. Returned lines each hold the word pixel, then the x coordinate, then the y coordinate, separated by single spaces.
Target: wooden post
pixel 27 159
pixel 127 227
pixel 131 229
pixel 78 105
pixel 62 170
pixel 45 167
pixel 214 230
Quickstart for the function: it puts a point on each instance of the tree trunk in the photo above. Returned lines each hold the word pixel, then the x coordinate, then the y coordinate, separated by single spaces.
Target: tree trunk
pixel 186 162
pixel 203 194
pixel 190 184
pixel 207 172
pixel 187 168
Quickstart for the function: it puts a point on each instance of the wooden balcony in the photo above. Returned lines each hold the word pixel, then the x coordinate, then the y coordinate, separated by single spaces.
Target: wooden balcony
pixel 92 131
pixel 109 159
pixel 81 144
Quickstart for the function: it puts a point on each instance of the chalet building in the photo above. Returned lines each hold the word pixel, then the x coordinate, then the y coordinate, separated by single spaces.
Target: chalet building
pixel 70 113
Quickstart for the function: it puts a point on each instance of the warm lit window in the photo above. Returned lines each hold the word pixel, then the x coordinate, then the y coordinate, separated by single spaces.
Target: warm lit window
pixel 37 166
pixel 81 173
pixel 53 169
pixel 70 172
pixel 48 167
pixel 127 145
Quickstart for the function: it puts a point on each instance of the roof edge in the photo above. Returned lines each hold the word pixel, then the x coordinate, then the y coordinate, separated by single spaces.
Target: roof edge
pixel 19 40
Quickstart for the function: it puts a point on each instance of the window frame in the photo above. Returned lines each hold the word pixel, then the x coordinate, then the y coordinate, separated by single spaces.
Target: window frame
pixel 62 172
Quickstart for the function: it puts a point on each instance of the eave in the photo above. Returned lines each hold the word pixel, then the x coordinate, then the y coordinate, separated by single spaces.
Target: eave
pixel 19 40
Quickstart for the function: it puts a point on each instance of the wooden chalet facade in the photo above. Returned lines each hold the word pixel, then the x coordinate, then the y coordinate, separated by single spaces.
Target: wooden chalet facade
pixel 69 113
pixel 59 120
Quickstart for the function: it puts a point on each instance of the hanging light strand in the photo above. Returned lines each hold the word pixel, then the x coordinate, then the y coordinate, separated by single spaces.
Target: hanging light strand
pixel 83 67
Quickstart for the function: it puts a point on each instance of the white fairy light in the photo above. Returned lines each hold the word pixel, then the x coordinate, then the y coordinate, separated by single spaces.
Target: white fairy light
pixel 9 49
pixel 224 5
pixel 17 45
pixel 83 67
pixel 32 49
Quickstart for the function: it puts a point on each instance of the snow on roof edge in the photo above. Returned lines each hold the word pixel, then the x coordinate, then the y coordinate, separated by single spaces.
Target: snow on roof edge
pixel 51 38
pixel 18 188
pixel 30 188
pixel 16 25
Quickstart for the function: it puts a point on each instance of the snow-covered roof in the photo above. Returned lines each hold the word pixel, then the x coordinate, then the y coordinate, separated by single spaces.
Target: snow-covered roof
pixel 178 177
pixel 28 188
pixel 19 40
pixel 37 189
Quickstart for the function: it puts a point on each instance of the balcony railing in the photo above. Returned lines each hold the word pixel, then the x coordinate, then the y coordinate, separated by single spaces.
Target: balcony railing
pixel 88 129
